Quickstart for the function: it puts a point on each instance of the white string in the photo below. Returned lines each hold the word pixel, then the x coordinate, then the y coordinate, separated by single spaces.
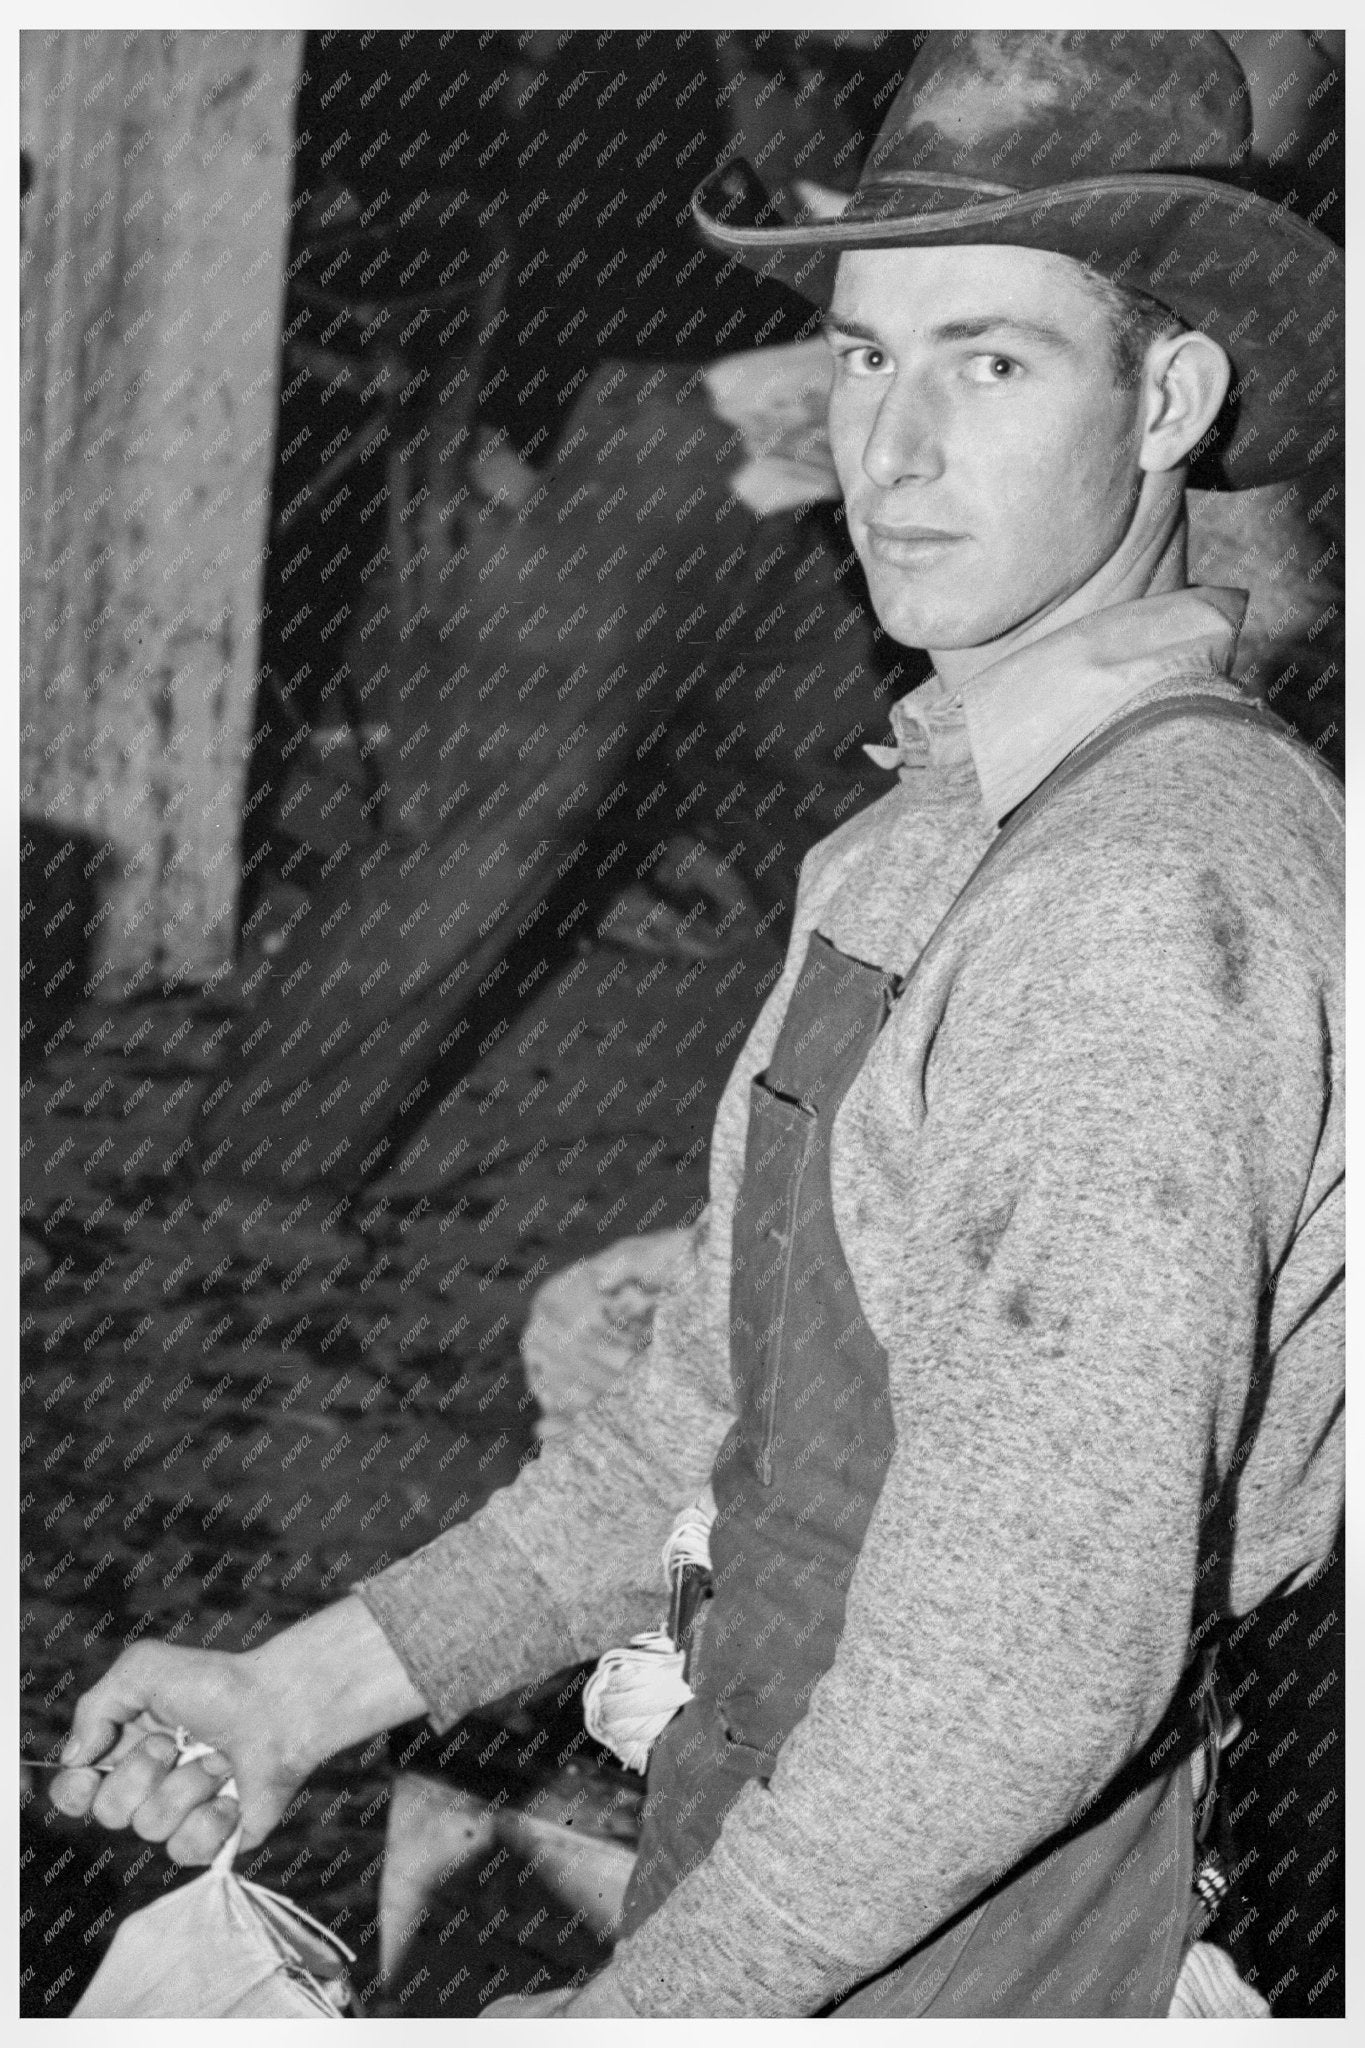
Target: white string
pixel 636 1690
pixel 633 1695
pixel 289 1911
pixel 689 1540
pixel 283 1917
pixel 189 1752
pixel 1210 1987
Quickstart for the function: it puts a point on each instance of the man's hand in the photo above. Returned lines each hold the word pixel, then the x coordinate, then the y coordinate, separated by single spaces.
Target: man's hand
pixel 778 397
pixel 271 1717
pixel 220 1699
pixel 533 2005
pixel 590 1323
pixel 598 1999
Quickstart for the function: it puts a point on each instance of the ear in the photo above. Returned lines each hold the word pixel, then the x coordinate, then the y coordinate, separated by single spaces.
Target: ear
pixel 1185 380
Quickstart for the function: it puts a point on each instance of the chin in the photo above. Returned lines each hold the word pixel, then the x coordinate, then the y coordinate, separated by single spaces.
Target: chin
pixel 914 622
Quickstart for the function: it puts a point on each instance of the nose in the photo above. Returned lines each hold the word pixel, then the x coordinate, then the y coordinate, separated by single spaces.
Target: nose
pixel 906 441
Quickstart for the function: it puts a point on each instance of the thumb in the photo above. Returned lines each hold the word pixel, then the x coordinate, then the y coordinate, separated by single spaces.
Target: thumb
pixel 94 1733
pixel 259 1795
pixel 259 1808
pixel 90 1736
pixel 124 1695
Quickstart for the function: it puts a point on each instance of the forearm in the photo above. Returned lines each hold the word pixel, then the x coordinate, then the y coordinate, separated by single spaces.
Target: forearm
pixel 337 1679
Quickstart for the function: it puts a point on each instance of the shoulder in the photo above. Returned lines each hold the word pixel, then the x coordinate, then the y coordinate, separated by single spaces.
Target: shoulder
pixel 1173 803
pixel 1190 881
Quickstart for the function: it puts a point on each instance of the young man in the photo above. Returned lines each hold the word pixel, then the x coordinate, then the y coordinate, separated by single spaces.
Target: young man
pixel 1014 1354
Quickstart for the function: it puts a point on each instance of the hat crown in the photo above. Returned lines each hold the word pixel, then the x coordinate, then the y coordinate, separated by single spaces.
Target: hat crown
pixel 1003 111
pixel 1129 154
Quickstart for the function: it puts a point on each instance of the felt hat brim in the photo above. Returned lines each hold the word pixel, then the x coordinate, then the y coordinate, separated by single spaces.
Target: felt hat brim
pixel 1262 282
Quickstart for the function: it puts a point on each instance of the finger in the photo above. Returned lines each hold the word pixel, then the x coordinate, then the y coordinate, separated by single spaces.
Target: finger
pixel 73 1792
pixel 522 2005
pixel 203 1832
pixel 170 1803
pixel 623 1346
pixel 120 1696
pixel 629 1297
pixel 132 1735
pixel 558 1284
pixel 92 1733
pixel 642 1261
pixel 132 1781
pixel 615 1265
pixel 609 1358
pixel 547 1337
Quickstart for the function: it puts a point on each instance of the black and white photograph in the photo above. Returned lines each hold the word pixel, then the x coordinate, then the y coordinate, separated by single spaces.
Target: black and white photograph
pixel 681 1024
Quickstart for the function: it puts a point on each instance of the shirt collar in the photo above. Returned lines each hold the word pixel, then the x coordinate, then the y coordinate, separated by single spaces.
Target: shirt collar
pixel 1024 714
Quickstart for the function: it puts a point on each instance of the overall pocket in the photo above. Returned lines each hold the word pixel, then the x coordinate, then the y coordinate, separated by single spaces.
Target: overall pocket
pixel 781 1142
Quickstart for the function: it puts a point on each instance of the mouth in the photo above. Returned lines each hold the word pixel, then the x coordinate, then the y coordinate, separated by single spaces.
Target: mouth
pixel 909 547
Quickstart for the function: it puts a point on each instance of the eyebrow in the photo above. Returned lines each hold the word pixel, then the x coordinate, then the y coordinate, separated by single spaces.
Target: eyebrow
pixel 961 330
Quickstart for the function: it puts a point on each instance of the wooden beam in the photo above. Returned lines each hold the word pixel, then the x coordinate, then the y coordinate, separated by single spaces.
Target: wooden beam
pixel 152 286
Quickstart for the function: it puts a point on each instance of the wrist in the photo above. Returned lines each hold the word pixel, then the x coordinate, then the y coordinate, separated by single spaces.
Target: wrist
pixel 334 1680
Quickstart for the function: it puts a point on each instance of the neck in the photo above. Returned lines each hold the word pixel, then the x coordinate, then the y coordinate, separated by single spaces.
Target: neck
pixel 1148 562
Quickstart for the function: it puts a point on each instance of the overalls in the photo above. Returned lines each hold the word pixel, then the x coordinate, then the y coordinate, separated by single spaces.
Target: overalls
pixel 1094 1921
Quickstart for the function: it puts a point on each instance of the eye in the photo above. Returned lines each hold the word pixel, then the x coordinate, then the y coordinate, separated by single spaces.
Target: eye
pixel 864 359
pixel 993 369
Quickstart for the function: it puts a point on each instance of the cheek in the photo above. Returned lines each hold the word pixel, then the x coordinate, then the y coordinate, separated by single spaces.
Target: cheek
pixel 848 434
pixel 1062 478
pixel 1101 456
pixel 1027 488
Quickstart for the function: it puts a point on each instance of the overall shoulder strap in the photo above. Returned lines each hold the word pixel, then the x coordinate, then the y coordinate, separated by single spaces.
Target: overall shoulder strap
pixel 1166 711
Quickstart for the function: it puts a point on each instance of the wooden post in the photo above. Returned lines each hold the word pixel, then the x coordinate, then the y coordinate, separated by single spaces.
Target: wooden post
pixel 152 284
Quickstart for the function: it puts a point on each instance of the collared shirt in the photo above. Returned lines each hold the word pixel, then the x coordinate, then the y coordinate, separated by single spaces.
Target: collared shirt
pixel 1017 719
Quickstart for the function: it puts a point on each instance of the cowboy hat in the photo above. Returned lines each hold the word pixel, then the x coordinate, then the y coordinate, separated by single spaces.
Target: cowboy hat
pixel 1128 152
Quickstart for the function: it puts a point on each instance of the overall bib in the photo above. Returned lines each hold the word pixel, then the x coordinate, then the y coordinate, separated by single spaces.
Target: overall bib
pixel 1094 1921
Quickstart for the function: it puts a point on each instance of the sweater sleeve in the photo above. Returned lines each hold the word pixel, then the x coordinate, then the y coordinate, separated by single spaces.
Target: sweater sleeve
pixel 1084 1161
pixel 565 1561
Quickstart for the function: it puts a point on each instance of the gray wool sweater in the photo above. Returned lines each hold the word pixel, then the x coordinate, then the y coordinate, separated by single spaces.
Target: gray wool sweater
pixel 1090 1188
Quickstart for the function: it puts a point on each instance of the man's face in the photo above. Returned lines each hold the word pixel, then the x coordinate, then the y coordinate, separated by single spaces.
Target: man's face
pixel 986 457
